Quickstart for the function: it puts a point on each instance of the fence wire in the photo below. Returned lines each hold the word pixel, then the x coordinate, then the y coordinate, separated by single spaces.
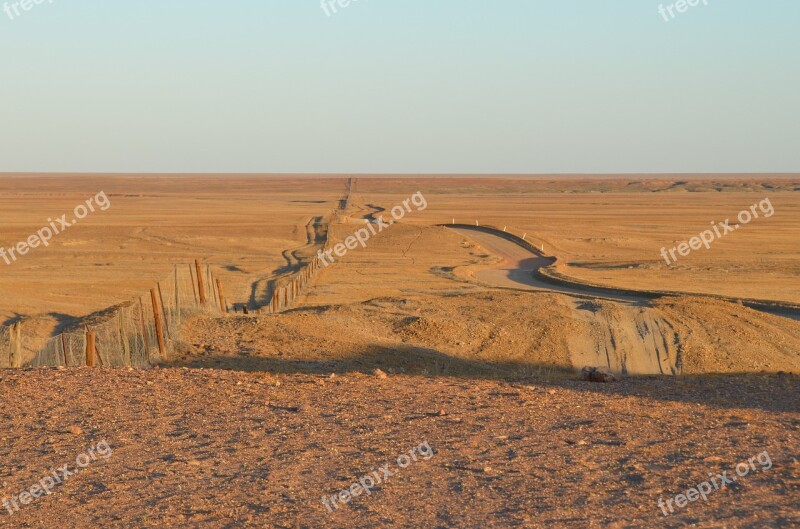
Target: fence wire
pixel 127 335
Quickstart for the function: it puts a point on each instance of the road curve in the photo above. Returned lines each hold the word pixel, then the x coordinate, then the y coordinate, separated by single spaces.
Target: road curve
pixel 519 264
pixel 516 270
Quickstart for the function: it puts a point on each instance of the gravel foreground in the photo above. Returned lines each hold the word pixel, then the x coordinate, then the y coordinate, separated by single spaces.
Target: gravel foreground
pixel 204 448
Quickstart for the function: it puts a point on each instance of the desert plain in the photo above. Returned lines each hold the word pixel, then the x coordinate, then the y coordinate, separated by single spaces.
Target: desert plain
pixel 438 329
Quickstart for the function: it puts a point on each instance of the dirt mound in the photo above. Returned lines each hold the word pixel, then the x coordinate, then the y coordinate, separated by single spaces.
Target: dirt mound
pixel 501 333
pixel 722 337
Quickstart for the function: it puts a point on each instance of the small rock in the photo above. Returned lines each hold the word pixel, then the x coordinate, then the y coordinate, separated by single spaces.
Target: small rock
pixel 598 374
pixel 379 374
pixel 442 413
pixel 75 430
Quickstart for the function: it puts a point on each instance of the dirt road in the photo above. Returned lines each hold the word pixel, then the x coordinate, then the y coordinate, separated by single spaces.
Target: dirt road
pixel 623 333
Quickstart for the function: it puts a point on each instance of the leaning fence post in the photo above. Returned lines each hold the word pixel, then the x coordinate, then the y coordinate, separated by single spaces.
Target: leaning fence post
pixel 211 282
pixel 126 352
pixel 64 350
pixel 194 286
pixel 177 299
pixel 200 287
pixel 223 303
pixel 91 350
pixel 163 311
pixel 162 348
pixel 144 334
pixel 15 355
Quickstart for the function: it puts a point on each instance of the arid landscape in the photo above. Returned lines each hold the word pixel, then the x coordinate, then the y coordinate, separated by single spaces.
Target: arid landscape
pixel 419 265
pixel 461 320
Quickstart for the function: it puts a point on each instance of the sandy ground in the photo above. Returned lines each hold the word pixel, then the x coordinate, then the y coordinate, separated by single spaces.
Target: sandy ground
pixel 194 448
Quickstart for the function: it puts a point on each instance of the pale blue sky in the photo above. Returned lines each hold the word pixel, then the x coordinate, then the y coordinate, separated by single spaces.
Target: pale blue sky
pixel 455 86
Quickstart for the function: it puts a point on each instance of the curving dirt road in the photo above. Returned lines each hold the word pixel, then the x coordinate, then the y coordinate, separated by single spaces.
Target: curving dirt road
pixel 518 264
pixel 615 330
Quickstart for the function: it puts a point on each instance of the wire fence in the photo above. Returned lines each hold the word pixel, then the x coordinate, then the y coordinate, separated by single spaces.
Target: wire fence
pixel 286 293
pixel 138 333
pixel 144 331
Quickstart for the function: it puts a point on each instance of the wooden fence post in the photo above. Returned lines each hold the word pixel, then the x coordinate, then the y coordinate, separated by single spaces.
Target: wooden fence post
pixel 177 299
pixel 223 303
pixel 200 287
pixel 126 351
pixel 144 334
pixel 163 311
pixel 162 348
pixel 91 350
pixel 64 350
pixel 15 354
pixel 275 301
pixel 194 286
pixel 210 279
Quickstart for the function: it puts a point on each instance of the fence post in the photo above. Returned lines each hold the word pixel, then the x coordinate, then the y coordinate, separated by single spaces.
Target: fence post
pixel 200 287
pixel 275 301
pixel 163 310
pixel 223 303
pixel 91 351
pixel 144 333
pixel 64 350
pixel 210 279
pixel 126 352
pixel 194 286
pixel 162 348
pixel 15 355
pixel 177 299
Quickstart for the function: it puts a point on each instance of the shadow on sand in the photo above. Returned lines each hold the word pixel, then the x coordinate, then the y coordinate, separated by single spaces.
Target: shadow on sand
pixel 719 391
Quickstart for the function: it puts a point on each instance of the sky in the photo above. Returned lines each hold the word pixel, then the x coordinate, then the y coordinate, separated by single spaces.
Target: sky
pixel 391 86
